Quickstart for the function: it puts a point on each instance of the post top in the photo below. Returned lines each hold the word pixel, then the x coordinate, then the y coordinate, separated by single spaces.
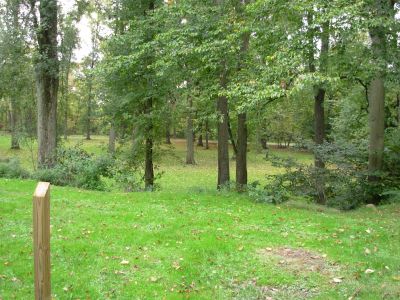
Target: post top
pixel 42 189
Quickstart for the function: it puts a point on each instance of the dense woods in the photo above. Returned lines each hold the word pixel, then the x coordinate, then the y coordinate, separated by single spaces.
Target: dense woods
pixel 316 76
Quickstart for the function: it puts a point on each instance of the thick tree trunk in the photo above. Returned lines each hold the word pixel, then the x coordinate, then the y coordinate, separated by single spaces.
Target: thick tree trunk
pixel 376 125
pixel 377 99
pixel 149 168
pixel 190 135
pixel 241 156
pixel 47 81
pixel 223 138
pixel 14 125
pixel 241 153
pixel 111 139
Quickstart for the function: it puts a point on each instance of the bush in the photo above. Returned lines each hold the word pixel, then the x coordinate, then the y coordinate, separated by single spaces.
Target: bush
pixel 76 167
pixel 12 168
pixel 345 177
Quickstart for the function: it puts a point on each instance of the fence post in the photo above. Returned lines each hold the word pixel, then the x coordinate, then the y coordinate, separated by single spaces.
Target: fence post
pixel 41 241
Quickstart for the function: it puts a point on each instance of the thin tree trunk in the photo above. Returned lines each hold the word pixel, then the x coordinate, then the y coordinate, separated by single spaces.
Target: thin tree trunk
pixel 398 109
pixel 167 135
pixel 231 137
pixel 149 168
pixel 241 157
pixel 46 74
pixel 223 138
pixel 14 125
pixel 200 141
pixel 190 135
pixel 319 98
pixel 111 139
pixel 263 143
pixel 207 145
pixel 241 153
pixel 89 115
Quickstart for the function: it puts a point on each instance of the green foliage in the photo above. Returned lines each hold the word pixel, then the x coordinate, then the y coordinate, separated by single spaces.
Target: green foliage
pixel 75 167
pixel 11 168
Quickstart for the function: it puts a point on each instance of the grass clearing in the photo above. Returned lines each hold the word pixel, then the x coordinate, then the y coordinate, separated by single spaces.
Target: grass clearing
pixel 190 241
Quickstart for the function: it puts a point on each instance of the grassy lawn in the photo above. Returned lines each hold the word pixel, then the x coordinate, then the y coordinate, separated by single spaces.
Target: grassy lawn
pixel 188 241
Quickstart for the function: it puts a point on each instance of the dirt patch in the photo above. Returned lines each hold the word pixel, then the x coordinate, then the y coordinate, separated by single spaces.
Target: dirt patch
pixel 298 260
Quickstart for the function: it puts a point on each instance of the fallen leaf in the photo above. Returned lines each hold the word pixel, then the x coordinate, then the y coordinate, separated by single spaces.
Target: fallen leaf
pixel 153 279
pixel 337 280
pixel 369 271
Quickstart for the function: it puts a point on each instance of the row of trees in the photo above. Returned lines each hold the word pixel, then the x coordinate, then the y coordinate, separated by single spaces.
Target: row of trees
pixel 241 69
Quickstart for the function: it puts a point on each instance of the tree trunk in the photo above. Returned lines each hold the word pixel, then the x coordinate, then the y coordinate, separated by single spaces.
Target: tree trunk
pixel 241 153
pixel 149 168
pixel 200 141
pixel 232 138
pixel 167 135
pixel 46 74
pixel 263 143
pixel 241 156
pixel 207 145
pixel 89 116
pixel 377 98
pixel 376 126
pixel 14 125
pixel 398 109
pixel 111 139
pixel 190 135
pixel 319 98
pixel 223 138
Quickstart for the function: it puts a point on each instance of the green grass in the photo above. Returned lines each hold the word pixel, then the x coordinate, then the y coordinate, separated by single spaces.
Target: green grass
pixel 189 241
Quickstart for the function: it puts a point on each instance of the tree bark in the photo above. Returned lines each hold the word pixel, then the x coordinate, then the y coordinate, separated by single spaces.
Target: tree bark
pixel 46 73
pixel 190 134
pixel 377 98
pixel 223 137
pixel 241 152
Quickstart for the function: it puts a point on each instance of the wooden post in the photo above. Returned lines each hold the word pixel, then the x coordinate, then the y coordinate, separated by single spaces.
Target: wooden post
pixel 41 241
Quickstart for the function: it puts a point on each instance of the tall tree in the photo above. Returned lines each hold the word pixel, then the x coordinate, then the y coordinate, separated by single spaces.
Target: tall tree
pixel 47 80
pixel 377 32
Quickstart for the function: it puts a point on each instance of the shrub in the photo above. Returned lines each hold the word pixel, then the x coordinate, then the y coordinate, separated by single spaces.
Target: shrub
pixel 76 167
pixel 345 177
pixel 12 168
